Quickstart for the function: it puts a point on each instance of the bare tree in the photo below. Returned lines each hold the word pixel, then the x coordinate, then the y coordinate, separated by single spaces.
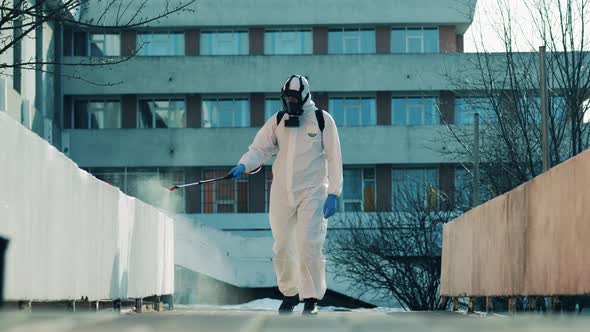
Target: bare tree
pixel 395 254
pixel 20 19
pixel 504 88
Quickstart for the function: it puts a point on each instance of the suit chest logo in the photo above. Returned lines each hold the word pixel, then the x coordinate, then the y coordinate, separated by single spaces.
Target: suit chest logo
pixel 312 134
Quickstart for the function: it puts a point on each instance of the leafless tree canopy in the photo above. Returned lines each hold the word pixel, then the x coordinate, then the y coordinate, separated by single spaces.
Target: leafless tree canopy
pixel 508 86
pixel 395 254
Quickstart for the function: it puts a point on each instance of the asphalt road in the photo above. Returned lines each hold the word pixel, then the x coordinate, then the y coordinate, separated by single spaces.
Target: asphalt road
pixel 254 321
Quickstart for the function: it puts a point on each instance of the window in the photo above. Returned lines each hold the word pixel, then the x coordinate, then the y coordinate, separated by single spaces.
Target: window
pixel 353 111
pixel 415 188
pixel 288 42
pixel 358 193
pixel 224 43
pixel 160 43
pixel 80 41
pixel 271 107
pixel 226 112
pixel 96 44
pixel 96 114
pixel 531 106
pixel 463 188
pixel 351 41
pixel 224 196
pixel 414 111
pixel 161 113
pixel 414 40
pixel 147 184
pixel 102 44
pixel 465 108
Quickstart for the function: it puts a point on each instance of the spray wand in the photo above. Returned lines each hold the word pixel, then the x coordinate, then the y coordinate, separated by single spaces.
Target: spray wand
pixel 228 176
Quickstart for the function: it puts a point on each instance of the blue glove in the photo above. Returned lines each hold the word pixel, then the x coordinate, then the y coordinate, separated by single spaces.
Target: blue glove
pixel 330 206
pixel 237 171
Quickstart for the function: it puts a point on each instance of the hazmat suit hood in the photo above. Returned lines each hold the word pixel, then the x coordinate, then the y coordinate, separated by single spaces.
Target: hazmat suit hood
pixel 297 86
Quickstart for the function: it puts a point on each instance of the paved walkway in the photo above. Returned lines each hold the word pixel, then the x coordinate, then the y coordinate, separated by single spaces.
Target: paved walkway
pixel 213 321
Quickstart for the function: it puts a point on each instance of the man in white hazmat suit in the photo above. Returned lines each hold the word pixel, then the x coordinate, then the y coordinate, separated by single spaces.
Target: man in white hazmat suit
pixel 307 180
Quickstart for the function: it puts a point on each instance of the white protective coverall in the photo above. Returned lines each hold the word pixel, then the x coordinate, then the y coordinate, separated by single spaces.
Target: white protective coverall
pixel 308 167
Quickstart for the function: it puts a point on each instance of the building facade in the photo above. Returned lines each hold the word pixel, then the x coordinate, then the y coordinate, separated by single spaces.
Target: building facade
pixel 189 101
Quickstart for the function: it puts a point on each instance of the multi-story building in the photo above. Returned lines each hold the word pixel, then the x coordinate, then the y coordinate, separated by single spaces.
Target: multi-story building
pixel 190 101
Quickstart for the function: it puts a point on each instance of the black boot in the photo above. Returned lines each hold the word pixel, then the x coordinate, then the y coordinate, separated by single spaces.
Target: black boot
pixel 289 303
pixel 310 307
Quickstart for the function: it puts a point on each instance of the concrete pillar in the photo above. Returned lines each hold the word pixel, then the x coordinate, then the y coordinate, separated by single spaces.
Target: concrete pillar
pixel 489 304
pixel 193 193
pixel 68 39
pixel 383 39
pixel 25 306
pixel 192 41
pixel 447 39
pixel 138 305
pixel 129 111
pixel 384 108
pixel 128 42
pixel 384 187
pixel 169 299
pixel 67 112
pixel 72 305
pixel 158 303
pixel 117 305
pixel 256 41
pixel 3 247
pixel 193 110
pixel 446 182
pixel 320 40
pixel 459 44
pixel 447 107
pixel 471 305
pixel 94 305
pixel 256 109
pixel 512 305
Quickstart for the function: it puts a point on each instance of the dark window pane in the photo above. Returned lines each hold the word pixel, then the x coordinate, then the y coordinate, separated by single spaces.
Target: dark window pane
pixel 80 115
pixel 80 43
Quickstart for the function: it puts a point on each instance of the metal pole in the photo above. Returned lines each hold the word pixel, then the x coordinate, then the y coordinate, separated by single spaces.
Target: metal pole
pixel 543 86
pixel 476 160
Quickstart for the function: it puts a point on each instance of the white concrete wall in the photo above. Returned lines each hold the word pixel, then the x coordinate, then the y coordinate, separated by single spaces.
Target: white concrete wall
pixel 215 13
pixel 266 73
pixel 72 235
pixel 224 146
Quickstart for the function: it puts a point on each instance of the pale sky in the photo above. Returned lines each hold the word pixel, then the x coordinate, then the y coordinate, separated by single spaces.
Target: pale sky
pixel 487 19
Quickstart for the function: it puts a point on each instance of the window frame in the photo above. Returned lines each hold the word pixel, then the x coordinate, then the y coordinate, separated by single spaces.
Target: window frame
pixel 234 98
pixel 360 97
pixel 342 201
pixel 297 30
pixel 103 99
pixel 424 169
pixel 216 203
pixel 159 98
pixel 220 31
pixel 159 32
pixel 422 38
pixel 435 110
pixel 358 38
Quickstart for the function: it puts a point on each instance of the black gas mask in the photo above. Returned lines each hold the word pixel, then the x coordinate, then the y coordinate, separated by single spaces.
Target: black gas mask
pixel 293 101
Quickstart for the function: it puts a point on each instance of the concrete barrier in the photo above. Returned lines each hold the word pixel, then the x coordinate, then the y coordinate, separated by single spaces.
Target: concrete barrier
pixel 533 240
pixel 72 235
